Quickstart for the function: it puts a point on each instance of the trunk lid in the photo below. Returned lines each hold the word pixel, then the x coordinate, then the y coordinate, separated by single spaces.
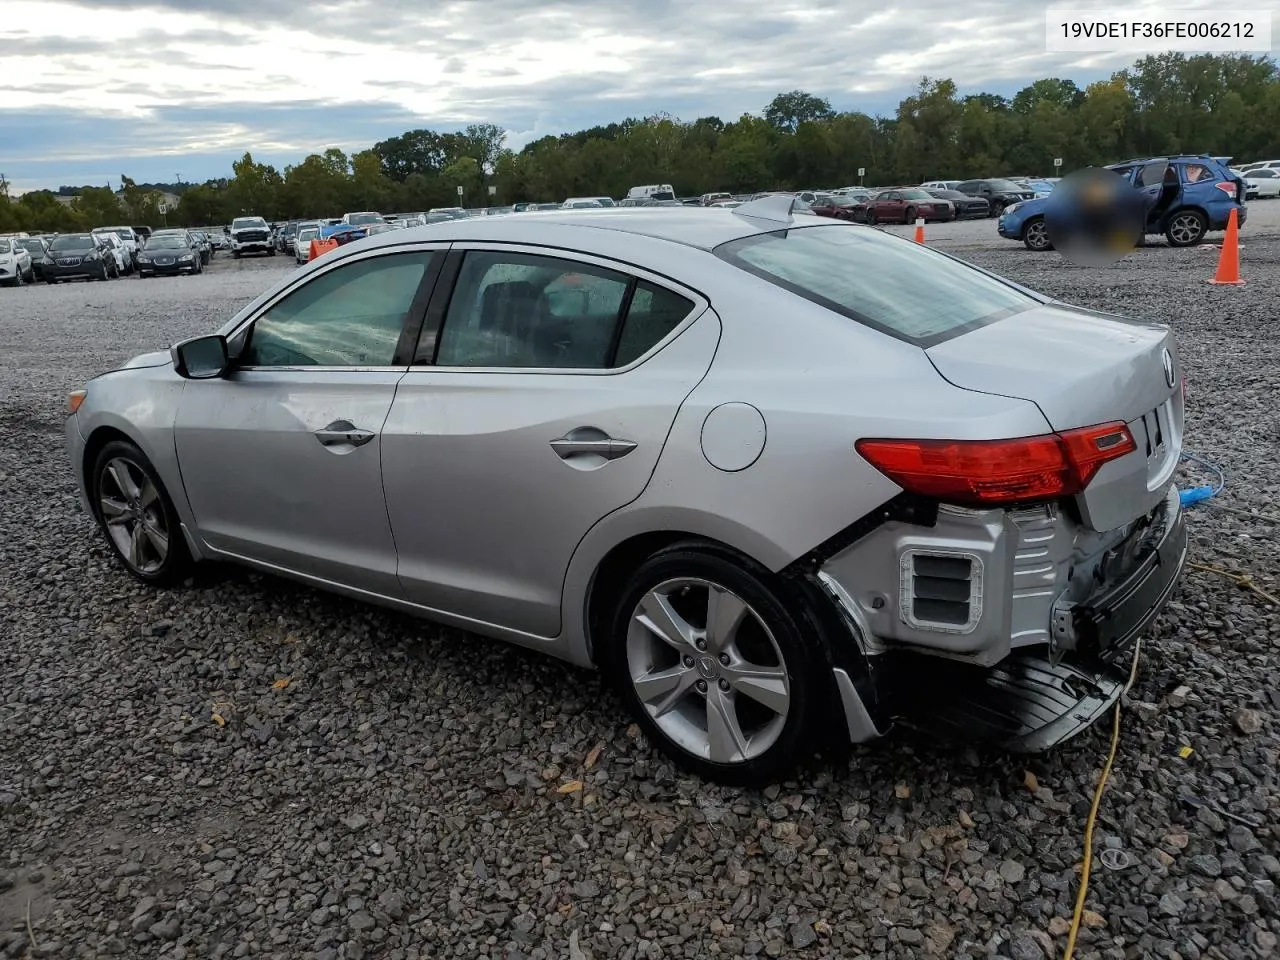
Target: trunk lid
pixel 1083 368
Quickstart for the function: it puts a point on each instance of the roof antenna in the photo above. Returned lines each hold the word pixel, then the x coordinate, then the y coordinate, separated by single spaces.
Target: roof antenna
pixel 775 208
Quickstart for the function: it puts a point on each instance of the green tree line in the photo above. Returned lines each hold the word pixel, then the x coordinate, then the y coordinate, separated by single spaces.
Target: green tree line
pixel 1163 104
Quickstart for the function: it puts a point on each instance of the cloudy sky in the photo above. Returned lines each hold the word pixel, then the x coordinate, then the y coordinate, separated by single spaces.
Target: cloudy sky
pixel 159 89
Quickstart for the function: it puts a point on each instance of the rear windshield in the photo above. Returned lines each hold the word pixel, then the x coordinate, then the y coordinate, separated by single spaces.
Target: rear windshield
pixel 890 284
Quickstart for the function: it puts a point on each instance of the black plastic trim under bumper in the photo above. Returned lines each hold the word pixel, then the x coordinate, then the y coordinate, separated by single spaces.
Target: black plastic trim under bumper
pixel 1108 623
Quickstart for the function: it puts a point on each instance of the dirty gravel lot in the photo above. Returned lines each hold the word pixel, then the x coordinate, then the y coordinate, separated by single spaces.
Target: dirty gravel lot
pixel 399 798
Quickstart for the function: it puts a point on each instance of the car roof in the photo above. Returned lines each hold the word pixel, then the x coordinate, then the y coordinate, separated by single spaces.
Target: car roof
pixel 701 227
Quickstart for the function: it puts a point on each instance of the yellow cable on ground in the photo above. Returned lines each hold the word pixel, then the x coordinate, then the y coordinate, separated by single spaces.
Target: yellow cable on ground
pixel 1241 578
pixel 1093 811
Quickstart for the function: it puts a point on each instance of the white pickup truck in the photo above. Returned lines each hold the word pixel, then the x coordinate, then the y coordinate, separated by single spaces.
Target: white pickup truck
pixel 251 235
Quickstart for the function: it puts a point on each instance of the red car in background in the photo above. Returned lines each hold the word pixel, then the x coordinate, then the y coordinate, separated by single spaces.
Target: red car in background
pixel 840 206
pixel 905 204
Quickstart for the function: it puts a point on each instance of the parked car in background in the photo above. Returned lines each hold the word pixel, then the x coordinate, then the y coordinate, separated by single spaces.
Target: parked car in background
pixel 707 199
pixel 142 233
pixel 363 217
pixel 1183 197
pixel 1038 188
pixel 251 235
pixel 193 237
pixel 580 203
pixel 16 267
pixel 652 191
pixel 170 254
pixel 1261 165
pixel 998 193
pixel 940 185
pixel 79 256
pixel 302 242
pixel 129 236
pixel 966 207
pixel 204 245
pixel 37 248
pixel 830 205
pixel 1263 182
pixel 123 263
pixel 633 523
pixel 284 237
pixel 905 205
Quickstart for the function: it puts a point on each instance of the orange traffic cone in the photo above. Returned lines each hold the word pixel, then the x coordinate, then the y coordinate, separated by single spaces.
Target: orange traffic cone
pixel 1229 260
pixel 919 229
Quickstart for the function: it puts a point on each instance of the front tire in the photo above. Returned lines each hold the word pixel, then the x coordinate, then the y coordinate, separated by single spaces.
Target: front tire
pixel 909 215
pixel 1035 236
pixel 137 517
pixel 707 651
pixel 1186 228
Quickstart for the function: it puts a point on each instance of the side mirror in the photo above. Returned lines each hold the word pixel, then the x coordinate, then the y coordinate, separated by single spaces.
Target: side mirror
pixel 201 358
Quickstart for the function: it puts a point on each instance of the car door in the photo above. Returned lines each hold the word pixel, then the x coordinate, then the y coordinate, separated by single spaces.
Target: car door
pixel 1157 182
pixel 889 205
pixel 542 393
pixel 281 457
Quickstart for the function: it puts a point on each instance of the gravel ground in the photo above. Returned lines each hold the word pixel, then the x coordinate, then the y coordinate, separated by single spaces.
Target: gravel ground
pixel 406 793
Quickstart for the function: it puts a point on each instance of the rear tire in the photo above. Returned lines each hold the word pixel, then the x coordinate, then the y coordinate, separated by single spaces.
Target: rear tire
pixel 708 652
pixel 1186 228
pixel 137 517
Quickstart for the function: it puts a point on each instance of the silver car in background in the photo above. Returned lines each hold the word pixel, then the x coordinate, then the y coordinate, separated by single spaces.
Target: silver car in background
pixel 786 480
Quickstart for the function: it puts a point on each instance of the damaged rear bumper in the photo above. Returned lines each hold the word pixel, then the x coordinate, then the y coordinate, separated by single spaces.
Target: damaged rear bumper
pixel 1036 696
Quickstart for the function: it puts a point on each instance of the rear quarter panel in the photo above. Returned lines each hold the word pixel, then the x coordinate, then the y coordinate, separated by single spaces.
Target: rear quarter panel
pixel 821 382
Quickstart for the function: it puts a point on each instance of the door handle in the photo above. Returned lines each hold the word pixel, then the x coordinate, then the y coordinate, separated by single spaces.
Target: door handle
pixel 343 431
pixel 588 440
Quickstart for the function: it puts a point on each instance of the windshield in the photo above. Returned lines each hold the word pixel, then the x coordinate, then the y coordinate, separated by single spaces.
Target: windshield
pixel 309 233
pixel 244 223
pixel 359 218
pixel 1007 186
pixel 899 288
pixel 916 194
pixel 166 243
pixel 74 241
pixel 31 244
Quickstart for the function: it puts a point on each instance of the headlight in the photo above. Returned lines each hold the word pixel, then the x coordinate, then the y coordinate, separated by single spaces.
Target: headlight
pixel 1012 207
pixel 144 259
pixel 90 256
pixel 185 257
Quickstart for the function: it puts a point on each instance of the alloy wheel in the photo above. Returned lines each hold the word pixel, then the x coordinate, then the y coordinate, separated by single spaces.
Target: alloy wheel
pixel 1185 229
pixel 1036 235
pixel 133 514
pixel 708 670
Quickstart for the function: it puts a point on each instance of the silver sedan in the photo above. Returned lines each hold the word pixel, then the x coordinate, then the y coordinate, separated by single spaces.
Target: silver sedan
pixel 787 481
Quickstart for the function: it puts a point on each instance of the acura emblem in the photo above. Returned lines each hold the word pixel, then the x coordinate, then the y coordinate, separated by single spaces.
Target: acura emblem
pixel 1166 359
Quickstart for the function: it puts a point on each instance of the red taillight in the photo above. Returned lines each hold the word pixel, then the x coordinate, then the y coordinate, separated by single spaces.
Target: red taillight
pixel 989 472
pixel 1226 186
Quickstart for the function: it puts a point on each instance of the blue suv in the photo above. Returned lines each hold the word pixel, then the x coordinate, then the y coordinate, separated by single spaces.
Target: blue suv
pixel 1184 198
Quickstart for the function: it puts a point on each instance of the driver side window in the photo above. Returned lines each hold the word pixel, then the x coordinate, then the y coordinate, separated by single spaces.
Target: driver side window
pixel 350 316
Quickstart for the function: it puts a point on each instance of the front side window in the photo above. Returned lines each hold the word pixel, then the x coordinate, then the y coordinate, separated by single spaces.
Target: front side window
pixel 350 316
pixel 898 288
pixel 4 246
pixel 520 310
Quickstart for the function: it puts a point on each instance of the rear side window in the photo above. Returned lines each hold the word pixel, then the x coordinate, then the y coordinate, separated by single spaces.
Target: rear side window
pixel 654 313
pixel 1196 173
pixel 525 310
pixel 894 286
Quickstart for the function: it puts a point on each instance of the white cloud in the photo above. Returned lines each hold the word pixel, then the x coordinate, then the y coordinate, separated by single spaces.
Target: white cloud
pixel 534 68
